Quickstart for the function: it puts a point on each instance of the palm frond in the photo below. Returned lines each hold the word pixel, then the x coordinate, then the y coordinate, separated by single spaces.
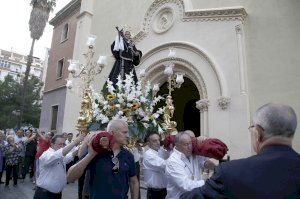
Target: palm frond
pixel 46 4
pixel 39 16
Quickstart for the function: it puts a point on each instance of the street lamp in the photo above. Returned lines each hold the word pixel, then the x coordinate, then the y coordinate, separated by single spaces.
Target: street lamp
pixel 86 72
pixel 174 81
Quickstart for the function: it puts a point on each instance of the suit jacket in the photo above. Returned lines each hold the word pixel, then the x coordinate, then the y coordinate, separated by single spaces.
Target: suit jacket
pixel 274 173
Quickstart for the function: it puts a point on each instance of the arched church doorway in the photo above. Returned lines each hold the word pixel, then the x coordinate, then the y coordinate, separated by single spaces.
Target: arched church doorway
pixel 186 114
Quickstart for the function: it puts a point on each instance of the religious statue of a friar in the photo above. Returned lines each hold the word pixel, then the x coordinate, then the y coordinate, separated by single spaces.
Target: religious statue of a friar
pixel 126 54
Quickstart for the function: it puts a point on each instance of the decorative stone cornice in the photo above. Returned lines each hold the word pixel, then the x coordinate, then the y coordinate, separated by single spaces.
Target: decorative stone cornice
pixel 223 102
pixel 223 14
pixel 178 7
pixel 65 11
pixel 202 105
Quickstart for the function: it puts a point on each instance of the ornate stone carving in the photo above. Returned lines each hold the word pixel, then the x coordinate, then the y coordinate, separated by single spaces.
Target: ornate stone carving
pixel 223 14
pixel 163 20
pixel 161 23
pixel 183 66
pixel 223 102
pixel 201 53
pixel 202 105
pixel 238 29
pixel 161 4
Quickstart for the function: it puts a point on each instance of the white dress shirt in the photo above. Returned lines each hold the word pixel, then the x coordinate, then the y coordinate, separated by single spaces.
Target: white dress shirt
pixel 154 165
pixel 67 142
pixel 52 170
pixel 137 154
pixel 183 174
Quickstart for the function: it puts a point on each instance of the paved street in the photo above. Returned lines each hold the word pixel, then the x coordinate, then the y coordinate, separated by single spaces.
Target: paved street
pixel 24 191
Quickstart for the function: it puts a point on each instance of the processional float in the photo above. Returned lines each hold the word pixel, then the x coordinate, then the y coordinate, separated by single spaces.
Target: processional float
pixel 132 102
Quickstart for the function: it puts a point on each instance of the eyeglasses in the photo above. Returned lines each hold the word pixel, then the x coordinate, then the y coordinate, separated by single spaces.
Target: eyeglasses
pixel 115 168
pixel 250 127
pixel 256 125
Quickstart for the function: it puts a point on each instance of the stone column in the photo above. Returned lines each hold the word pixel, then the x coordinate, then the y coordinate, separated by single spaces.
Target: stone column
pixel 202 105
pixel 241 58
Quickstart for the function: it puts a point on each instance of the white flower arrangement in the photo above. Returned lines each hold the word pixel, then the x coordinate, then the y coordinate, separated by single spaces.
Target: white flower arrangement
pixel 129 102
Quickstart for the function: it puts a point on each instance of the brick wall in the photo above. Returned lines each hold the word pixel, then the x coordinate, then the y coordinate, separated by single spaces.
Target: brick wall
pixel 61 50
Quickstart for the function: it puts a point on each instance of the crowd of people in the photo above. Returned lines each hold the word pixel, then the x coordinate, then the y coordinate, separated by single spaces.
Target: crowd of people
pixel 20 152
pixel 106 169
pixel 177 172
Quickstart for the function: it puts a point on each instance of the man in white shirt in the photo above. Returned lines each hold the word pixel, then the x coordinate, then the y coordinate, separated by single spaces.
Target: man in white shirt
pixel 69 139
pixel 183 170
pixel 52 168
pixel 67 142
pixel 137 153
pixel 154 169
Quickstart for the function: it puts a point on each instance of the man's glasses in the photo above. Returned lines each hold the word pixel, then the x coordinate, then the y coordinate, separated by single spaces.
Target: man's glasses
pixel 115 168
pixel 250 127
pixel 256 125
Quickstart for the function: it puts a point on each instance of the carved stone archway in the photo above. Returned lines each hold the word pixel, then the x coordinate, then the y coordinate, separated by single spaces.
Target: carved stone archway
pixel 154 62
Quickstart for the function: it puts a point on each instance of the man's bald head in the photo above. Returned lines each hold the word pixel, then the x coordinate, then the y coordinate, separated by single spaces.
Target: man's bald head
pixel 276 120
pixel 183 143
pixel 119 129
pixel 116 125
pixel 191 133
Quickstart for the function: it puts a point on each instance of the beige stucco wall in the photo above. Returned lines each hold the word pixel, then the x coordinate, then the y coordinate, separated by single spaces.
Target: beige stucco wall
pixel 222 124
pixel 55 90
pixel 61 50
pixel 273 48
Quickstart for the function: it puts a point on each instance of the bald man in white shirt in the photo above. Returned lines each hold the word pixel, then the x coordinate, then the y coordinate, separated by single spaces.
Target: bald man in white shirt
pixel 183 170
pixel 52 167
pixel 154 168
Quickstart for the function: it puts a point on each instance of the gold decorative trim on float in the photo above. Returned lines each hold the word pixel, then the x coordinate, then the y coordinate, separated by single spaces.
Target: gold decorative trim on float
pixel 86 72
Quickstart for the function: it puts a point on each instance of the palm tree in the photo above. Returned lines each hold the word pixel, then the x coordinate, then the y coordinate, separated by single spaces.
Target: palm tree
pixel 38 18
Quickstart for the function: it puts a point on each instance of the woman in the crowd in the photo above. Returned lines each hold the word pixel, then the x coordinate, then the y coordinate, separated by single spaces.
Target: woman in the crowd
pixel 11 151
pixel 3 143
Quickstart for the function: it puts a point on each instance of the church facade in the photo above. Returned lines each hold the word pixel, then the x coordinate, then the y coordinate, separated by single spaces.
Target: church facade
pixel 235 56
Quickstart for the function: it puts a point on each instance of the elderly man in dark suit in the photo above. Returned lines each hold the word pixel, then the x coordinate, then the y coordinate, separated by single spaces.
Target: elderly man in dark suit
pixel 273 173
